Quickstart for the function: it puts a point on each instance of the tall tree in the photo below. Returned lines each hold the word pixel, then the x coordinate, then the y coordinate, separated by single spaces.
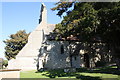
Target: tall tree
pixel 80 22
pixel 109 28
pixel 91 21
pixel 15 43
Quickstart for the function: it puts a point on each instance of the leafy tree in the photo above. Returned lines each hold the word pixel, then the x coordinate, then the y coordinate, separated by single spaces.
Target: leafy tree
pixel 91 21
pixel 1 63
pixel 5 63
pixel 80 22
pixel 15 43
pixel 109 28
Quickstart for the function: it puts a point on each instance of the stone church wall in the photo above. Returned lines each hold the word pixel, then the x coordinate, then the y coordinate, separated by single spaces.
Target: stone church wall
pixel 77 61
pixel 58 58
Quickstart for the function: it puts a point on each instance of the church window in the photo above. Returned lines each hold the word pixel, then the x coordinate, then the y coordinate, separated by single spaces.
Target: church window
pixel 75 58
pixel 45 48
pixel 62 49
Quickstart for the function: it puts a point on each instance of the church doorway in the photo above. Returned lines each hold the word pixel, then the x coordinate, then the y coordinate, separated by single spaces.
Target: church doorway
pixel 86 60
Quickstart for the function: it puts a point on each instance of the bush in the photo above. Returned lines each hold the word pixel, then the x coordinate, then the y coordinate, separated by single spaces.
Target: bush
pixel 5 63
pixel 100 63
pixel 81 69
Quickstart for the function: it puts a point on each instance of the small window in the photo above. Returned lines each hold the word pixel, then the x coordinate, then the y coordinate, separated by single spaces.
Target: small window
pixel 45 48
pixel 62 49
pixel 75 58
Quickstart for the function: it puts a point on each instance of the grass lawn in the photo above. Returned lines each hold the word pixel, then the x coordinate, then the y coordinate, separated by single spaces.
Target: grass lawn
pixel 106 73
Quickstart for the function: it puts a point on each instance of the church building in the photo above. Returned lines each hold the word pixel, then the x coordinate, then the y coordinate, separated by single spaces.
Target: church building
pixel 41 52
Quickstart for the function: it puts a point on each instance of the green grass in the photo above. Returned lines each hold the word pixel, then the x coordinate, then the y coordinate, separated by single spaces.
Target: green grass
pixel 32 74
pixel 106 73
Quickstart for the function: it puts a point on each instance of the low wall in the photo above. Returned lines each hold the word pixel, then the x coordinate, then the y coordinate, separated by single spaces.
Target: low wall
pixel 9 73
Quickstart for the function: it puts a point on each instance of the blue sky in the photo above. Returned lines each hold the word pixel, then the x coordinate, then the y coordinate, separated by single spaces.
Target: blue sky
pixel 22 16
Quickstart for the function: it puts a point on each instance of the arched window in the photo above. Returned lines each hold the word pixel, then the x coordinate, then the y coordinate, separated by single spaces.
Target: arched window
pixel 62 49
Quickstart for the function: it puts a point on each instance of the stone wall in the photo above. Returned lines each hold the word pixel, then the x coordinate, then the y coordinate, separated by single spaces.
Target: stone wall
pixel 77 61
pixel 55 58
pixel 97 52
pixel 9 74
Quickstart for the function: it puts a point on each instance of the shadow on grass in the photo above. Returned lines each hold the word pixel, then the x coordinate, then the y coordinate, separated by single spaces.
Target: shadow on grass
pixel 60 73
pixel 82 77
pixel 106 70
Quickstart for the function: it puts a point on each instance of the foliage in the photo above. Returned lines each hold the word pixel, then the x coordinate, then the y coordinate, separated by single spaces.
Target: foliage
pixel 5 63
pixel 1 63
pixel 109 27
pixel 63 7
pixel 15 44
pixel 80 22
pixel 100 64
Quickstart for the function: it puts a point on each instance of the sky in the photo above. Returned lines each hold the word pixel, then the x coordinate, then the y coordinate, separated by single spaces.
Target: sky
pixel 17 16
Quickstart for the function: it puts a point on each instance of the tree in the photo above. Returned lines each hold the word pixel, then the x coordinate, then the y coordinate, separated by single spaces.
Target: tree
pixel 80 22
pixel 1 63
pixel 5 63
pixel 91 21
pixel 109 27
pixel 15 43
